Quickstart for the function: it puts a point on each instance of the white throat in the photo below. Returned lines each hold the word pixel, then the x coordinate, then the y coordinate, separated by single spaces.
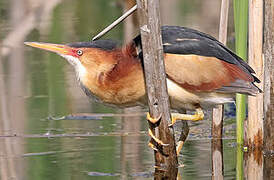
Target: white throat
pixel 79 68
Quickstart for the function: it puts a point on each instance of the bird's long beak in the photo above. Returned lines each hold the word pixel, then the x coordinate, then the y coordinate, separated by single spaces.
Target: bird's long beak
pixel 57 48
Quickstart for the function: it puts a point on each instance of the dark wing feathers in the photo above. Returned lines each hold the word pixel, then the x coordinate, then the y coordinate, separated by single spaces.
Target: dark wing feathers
pixel 186 41
pixel 241 87
pixel 182 40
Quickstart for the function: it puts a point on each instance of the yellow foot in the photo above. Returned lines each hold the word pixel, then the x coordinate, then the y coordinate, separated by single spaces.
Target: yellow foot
pixel 153 120
pixel 158 141
pixel 199 115
pixel 152 146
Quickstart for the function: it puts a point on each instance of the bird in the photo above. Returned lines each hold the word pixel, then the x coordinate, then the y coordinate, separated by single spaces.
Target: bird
pixel 201 72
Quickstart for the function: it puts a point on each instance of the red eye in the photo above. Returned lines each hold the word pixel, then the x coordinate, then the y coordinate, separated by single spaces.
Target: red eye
pixel 79 52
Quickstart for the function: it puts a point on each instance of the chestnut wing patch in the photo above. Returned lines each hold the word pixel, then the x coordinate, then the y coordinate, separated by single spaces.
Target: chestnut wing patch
pixel 182 40
pixel 199 62
pixel 202 74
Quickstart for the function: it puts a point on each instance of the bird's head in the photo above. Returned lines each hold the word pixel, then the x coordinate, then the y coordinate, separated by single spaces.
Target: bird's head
pixel 81 55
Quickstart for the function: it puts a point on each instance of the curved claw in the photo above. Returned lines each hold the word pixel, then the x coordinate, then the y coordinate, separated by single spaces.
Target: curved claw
pixel 153 120
pixel 156 139
pixel 152 146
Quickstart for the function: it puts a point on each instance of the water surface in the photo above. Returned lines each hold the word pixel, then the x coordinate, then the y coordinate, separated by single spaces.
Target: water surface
pixel 36 85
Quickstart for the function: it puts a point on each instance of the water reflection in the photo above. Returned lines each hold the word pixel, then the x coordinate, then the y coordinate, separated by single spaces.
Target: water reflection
pixel 254 165
pixel 35 85
pixel 217 159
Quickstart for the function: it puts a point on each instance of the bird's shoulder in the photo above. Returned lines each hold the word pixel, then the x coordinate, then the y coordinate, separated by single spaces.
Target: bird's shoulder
pixel 205 63
pixel 182 40
pixel 187 41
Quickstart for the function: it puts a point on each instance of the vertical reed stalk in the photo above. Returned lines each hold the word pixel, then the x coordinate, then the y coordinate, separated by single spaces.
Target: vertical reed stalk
pixel 240 164
pixel 241 25
pixel 241 28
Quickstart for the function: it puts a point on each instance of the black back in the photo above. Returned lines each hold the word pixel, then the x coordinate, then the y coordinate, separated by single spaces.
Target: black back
pixel 182 40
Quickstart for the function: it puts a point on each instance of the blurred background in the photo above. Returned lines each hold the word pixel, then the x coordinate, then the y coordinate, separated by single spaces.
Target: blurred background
pixel 36 85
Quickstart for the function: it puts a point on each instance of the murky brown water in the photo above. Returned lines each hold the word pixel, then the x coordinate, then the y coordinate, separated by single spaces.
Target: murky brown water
pixel 36 85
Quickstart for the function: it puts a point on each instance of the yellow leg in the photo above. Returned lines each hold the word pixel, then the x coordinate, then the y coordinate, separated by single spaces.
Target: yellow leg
pixel 179 147
pixel 158 141
pixel 199 115
pixel 183 136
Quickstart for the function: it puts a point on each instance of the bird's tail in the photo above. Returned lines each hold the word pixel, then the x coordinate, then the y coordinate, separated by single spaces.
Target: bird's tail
pixel 241 86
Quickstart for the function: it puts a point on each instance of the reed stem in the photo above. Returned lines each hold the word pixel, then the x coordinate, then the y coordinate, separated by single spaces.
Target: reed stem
pixel 241 28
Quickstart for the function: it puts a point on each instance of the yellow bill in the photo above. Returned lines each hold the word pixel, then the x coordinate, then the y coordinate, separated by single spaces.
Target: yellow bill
pixel 57 48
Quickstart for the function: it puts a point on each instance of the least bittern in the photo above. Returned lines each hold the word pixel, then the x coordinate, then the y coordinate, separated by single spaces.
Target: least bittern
pixel 201 71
